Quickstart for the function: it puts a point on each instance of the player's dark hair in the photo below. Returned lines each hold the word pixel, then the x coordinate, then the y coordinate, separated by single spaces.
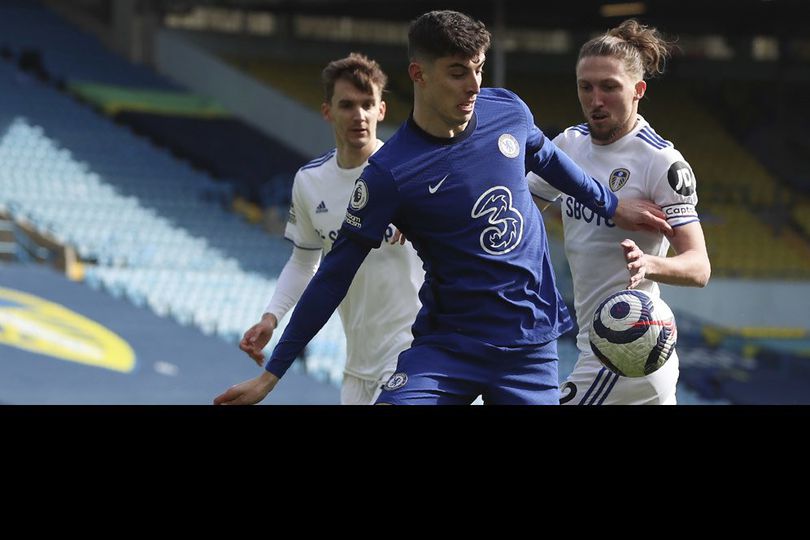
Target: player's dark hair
pixel 643 49
pixel 447 33
pixel 357 69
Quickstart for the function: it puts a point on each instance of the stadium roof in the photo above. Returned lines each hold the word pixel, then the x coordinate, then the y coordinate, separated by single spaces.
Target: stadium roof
pixel 728 17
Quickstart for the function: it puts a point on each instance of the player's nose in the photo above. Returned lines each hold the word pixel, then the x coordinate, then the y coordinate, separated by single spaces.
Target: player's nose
pixel 474 84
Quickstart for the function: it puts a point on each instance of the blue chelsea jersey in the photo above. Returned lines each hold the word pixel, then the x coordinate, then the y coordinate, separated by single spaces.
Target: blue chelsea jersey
pixel 465 205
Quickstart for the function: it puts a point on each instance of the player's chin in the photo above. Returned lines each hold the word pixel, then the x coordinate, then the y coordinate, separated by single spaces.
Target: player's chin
pixel 359 141
pixel 465 113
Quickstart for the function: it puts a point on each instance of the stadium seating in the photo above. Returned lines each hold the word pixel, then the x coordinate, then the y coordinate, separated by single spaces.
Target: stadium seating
pixel 150 227
pixel 261 170
pixel 302 81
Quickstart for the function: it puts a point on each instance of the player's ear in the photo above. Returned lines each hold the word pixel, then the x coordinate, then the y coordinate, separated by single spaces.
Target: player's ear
pixel 382 109
pixel 641 88
pixel 416 72
pixel 326 111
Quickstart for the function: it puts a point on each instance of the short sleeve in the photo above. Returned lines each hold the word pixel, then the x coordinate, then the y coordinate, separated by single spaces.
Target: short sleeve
pixel 675 191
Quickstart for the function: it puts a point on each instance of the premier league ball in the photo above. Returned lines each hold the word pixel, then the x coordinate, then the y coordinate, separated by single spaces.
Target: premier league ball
pixel 633 334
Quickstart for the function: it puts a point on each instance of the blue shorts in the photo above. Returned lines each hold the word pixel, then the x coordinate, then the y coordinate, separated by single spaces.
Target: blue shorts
pixel 439 372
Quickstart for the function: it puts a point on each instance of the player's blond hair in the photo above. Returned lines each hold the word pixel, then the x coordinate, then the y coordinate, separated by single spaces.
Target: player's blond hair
pixel 642 49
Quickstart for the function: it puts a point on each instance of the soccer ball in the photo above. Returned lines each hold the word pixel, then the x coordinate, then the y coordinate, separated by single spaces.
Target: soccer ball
pixel 633 333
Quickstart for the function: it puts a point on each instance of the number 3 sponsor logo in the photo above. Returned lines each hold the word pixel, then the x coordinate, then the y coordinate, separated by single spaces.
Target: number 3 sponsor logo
pixel 506 222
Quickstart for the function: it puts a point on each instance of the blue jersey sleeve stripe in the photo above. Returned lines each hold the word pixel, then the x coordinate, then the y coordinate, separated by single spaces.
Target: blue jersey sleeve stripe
pixel 648 138
pixel 321 158
pixel 686 222
pixel 673 204
pixel 317 162
pixel 644 138
pixel 656 136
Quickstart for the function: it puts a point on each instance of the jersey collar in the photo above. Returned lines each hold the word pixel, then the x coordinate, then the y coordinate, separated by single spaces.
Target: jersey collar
pixel 445 141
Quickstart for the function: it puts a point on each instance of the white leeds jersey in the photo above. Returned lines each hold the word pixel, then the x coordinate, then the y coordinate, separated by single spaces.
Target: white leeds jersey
pixel 639 165
pixel 383 300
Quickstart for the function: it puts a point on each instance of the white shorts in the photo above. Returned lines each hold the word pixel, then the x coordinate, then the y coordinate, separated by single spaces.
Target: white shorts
pixel 591 383
pixel 357 391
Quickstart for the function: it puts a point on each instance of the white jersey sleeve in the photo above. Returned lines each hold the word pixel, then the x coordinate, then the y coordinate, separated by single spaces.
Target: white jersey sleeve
pixel 292 281
pixel 674 188
pixel 300 230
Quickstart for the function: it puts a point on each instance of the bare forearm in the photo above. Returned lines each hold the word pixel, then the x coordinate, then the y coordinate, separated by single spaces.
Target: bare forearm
pixel 687 269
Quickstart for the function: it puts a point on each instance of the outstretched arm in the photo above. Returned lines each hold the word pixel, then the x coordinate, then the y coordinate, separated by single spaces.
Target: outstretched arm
pixel 560 171
pixel 548 161
pixel 320 299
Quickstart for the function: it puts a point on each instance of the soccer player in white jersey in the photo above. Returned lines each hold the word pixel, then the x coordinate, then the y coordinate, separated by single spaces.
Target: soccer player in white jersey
pixel 383 301
pixel 619 148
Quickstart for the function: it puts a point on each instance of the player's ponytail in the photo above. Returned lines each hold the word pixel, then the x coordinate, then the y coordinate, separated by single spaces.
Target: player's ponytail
pixel 642 48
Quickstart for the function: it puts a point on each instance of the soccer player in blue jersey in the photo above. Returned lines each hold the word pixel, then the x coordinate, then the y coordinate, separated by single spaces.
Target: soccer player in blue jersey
pixel 452 179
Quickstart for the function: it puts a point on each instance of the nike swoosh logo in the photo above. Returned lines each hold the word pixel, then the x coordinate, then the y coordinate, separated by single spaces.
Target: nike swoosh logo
pixel 433 189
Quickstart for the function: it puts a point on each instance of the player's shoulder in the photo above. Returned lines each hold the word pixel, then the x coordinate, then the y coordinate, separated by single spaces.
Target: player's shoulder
pixel 578 132
pixel 573 137
pixel 498 95
pixel 498 99
pixel 397 148
pixel 313 165
pixel 647 140
pixel 310 174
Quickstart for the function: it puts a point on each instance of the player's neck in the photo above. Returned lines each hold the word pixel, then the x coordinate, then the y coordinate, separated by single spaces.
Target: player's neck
pixel 434 125
pixel 349 157
pixel 619 134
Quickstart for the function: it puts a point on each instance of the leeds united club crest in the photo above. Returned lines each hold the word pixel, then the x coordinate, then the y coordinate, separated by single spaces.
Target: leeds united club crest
pixel 618 178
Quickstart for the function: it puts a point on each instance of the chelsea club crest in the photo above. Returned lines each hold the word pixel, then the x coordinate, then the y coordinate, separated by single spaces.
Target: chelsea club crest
pixel 508 145
pixel 618 178
pixel 397 380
